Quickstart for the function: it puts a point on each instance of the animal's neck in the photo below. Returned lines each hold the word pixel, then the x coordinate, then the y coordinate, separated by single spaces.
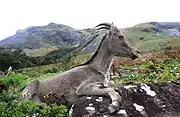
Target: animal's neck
pixel 102 61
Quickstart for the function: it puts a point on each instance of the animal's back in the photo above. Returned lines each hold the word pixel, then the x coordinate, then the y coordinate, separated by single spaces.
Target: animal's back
pixel 62 88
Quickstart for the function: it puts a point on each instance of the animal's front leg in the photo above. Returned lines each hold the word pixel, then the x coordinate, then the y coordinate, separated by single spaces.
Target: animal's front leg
pixel 108 81
pixel 94 89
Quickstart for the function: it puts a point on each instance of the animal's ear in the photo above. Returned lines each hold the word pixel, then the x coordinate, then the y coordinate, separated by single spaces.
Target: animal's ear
pixel 111 31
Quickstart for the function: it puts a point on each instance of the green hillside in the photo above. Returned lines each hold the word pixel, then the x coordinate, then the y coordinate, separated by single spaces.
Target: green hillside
pixel 147 40
pixel 40 40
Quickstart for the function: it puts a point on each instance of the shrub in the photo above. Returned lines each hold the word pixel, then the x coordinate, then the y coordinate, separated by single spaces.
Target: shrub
pixel 11 106
pixel 30 108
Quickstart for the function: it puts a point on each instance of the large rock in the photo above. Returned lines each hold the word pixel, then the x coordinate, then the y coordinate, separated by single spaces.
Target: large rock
pixel 141 100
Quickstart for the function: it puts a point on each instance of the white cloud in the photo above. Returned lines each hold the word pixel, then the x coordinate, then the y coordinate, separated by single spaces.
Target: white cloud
pixel 19 14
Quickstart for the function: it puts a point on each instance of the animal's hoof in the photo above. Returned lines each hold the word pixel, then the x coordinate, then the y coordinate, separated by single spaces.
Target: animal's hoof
pixel 113 107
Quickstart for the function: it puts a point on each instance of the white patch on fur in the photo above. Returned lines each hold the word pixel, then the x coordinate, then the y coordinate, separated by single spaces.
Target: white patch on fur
pixel 100 99
pixel 71 110
pixel 88 98
pixel 148 90
pixel 123 112
pixel 138 107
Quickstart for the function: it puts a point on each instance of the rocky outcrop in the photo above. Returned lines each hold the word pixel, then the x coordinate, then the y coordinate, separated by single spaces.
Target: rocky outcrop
pixel 141 100
pixel 162 28
pixel 44 36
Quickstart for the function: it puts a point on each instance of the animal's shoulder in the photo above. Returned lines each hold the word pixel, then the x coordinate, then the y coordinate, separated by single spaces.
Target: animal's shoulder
pixel 70 74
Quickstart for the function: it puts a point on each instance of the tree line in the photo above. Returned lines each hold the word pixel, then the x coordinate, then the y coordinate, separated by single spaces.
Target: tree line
pixel 18 59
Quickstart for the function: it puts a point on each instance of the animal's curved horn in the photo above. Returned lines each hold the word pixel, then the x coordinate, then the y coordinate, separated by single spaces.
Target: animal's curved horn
pixel 104 24
pixel 108 28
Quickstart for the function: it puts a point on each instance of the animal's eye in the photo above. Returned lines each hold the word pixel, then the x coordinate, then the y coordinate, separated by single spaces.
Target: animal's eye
pixel 121 37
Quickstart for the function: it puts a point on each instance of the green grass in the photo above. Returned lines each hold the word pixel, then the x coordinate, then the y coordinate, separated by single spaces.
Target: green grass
pixel 11 106
pixel 151 41
pixel 166 70
pixel 53 69
pixel 40 51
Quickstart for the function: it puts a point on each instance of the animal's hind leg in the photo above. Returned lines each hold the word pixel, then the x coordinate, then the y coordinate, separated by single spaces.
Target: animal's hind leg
pixel 30 92
pixel 95 89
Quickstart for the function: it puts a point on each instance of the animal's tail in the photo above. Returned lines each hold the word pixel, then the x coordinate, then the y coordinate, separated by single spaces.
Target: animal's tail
pixel 30 90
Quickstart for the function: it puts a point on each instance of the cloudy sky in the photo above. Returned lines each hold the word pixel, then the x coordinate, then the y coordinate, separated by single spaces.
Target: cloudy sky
pixel 19 14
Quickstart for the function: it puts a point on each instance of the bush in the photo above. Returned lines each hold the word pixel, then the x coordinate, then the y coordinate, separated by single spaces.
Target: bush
pixel 14 109
pixel 54 69
pixel 11 106
pixel 30 108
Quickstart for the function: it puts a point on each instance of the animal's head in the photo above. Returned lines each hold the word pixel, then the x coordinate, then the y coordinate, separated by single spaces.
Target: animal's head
pixel 117 44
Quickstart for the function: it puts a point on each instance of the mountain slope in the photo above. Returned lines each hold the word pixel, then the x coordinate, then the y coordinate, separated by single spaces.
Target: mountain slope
pixel 153 36
pixel 44 36
pixel 40 40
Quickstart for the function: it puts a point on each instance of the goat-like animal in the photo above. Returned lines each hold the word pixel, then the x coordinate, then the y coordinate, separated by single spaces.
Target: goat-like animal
pixel 90 78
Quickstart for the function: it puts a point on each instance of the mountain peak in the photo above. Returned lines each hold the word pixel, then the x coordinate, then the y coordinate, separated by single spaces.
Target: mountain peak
pixel 35 37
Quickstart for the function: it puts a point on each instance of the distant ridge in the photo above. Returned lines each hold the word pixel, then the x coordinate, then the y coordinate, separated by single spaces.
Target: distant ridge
pixel 36 39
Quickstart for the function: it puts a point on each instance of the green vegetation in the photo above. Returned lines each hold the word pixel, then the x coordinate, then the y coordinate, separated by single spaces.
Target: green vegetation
pixel 18 59
pixel 165 67
pixel 167 70
pixel 39 52
pixel 11 106
pixel 10 87
pixel 52 69
pixel 147 40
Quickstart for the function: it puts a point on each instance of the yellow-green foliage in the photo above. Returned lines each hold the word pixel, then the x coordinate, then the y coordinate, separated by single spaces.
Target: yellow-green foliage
pixel 40 51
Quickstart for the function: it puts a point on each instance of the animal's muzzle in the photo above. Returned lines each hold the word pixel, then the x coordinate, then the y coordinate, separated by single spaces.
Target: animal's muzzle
pixel 134 57
pixel 135 54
